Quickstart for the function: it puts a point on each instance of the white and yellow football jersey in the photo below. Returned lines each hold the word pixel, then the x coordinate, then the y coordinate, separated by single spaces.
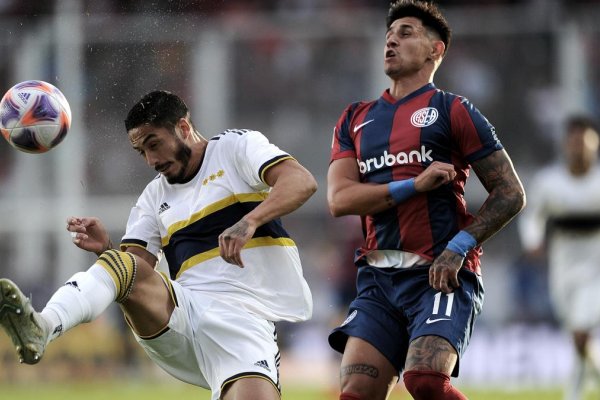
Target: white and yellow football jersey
pixel 563 211
pixel 183 221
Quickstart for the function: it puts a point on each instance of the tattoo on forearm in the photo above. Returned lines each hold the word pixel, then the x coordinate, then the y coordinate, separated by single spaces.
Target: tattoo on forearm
pixel 363 369
pixel 506 195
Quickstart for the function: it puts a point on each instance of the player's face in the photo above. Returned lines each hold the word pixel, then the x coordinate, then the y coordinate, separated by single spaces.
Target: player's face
pixel 407 48
pixel 581 148
pixel 163 150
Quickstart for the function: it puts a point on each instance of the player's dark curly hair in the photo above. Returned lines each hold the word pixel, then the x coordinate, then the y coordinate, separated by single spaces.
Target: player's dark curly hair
pixel 426 11
pixel 580 123
pixel 158 108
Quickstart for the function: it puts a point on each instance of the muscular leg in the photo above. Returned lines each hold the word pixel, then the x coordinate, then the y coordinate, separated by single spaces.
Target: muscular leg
pixel 366 373
pixel 250 389
pixel 429 363
pixel 149 305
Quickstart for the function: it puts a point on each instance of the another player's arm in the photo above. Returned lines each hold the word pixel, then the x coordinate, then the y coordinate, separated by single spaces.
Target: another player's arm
pixel 506 198
pixel 291 186
pixel 346 195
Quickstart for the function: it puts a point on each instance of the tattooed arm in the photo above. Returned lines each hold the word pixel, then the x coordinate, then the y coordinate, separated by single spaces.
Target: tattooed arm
pixel 506 198
pixel 506 195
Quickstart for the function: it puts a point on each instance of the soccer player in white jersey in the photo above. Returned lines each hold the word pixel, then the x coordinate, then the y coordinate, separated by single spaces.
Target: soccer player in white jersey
pixel 213 211
pixel 563 219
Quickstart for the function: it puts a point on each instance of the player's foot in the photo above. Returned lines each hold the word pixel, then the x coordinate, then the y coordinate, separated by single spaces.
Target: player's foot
pixel 28 331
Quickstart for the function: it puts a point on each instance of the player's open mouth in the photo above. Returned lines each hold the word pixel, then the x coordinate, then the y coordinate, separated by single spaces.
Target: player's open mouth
pixel 390 54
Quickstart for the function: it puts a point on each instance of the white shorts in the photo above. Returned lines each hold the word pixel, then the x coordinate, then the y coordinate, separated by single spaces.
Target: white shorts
pixel 210 343
pixel 575 281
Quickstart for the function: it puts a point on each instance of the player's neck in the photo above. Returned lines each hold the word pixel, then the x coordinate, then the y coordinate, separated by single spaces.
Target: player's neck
pixel 402 88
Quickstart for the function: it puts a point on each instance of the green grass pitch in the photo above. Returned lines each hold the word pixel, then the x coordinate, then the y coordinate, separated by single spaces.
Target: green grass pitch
pixel 114 390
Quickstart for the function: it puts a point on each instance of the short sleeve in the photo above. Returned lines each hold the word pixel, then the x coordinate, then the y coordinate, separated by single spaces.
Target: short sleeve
pixel 254 155
pixel 342 144
pixel 142 227
pixel 475 135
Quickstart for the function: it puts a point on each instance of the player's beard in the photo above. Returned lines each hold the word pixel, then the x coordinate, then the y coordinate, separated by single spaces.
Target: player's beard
pixel 183 154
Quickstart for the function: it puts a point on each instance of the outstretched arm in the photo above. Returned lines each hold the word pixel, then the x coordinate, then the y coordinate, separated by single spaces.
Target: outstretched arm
pixel 506 198
pixel 291 186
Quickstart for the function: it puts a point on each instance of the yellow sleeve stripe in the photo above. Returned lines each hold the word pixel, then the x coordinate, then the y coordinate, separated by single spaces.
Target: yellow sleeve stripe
pixel 256 242
pixel 212 208
pixel 264 168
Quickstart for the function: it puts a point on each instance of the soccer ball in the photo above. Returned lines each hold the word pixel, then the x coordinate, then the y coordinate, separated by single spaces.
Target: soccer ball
pixel 34 116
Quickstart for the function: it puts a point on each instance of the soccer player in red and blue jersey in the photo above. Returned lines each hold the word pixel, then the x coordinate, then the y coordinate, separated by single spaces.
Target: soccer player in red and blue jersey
pixel 401 163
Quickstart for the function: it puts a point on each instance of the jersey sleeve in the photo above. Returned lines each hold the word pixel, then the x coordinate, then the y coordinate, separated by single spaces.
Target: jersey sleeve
pixel 342 144
pixel 475 135
pixel 254 155
pixel 142 226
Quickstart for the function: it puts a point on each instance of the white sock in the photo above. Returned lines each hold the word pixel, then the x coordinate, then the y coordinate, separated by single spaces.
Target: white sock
pixel 575 386
pixel 82 299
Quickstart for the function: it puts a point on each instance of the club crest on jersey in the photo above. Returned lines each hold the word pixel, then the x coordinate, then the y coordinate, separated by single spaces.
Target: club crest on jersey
pixel 424 117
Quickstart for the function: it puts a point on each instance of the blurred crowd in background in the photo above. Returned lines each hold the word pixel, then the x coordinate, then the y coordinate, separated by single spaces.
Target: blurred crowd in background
pixel 288 68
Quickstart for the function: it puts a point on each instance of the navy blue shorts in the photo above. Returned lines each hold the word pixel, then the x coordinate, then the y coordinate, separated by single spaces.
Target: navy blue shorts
pixel 395 306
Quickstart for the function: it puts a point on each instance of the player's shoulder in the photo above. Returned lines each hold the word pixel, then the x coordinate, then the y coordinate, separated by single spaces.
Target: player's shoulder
pixel 450 98
pixel 234 135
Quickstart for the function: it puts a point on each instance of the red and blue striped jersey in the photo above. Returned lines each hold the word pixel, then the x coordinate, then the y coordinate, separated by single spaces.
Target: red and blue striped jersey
pixel 397 139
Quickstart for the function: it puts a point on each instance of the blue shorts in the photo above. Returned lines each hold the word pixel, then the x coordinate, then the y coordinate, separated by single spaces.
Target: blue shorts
pixel 393 307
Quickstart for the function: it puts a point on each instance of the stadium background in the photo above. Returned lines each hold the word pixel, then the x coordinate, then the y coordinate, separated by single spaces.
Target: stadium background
pixel 286 68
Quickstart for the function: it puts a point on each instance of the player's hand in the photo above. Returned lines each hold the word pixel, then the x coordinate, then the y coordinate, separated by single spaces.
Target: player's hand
pixel 88 233
pixel 233 239
pixel 434 176
pixel 443 273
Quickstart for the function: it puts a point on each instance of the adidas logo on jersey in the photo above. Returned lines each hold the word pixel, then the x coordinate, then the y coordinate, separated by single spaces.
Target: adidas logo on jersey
pixel 387 159
pixel 263 364
pixel 163 207
pixel 74 284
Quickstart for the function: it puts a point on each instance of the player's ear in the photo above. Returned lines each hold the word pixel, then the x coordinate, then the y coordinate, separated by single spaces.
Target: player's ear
pixel 184 127
pixel 437 50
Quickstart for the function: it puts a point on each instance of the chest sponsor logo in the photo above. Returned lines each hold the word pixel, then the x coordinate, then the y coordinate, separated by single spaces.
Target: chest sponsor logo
pixel 424 117
pixel 389 160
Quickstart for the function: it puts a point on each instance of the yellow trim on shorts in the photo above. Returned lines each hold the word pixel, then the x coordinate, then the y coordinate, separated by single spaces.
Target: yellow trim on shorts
pixel 250 375
pixel 123 246
pixel 256 242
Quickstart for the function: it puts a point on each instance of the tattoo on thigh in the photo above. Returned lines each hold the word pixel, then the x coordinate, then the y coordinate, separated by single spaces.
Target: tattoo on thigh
pixel 364 369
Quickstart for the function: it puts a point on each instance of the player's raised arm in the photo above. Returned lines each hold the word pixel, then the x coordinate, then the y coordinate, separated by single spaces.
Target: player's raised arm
pixel 291 186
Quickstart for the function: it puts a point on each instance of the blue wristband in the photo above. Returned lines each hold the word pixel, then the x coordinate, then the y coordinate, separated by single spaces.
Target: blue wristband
pixel 462 243
pixel 402 190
